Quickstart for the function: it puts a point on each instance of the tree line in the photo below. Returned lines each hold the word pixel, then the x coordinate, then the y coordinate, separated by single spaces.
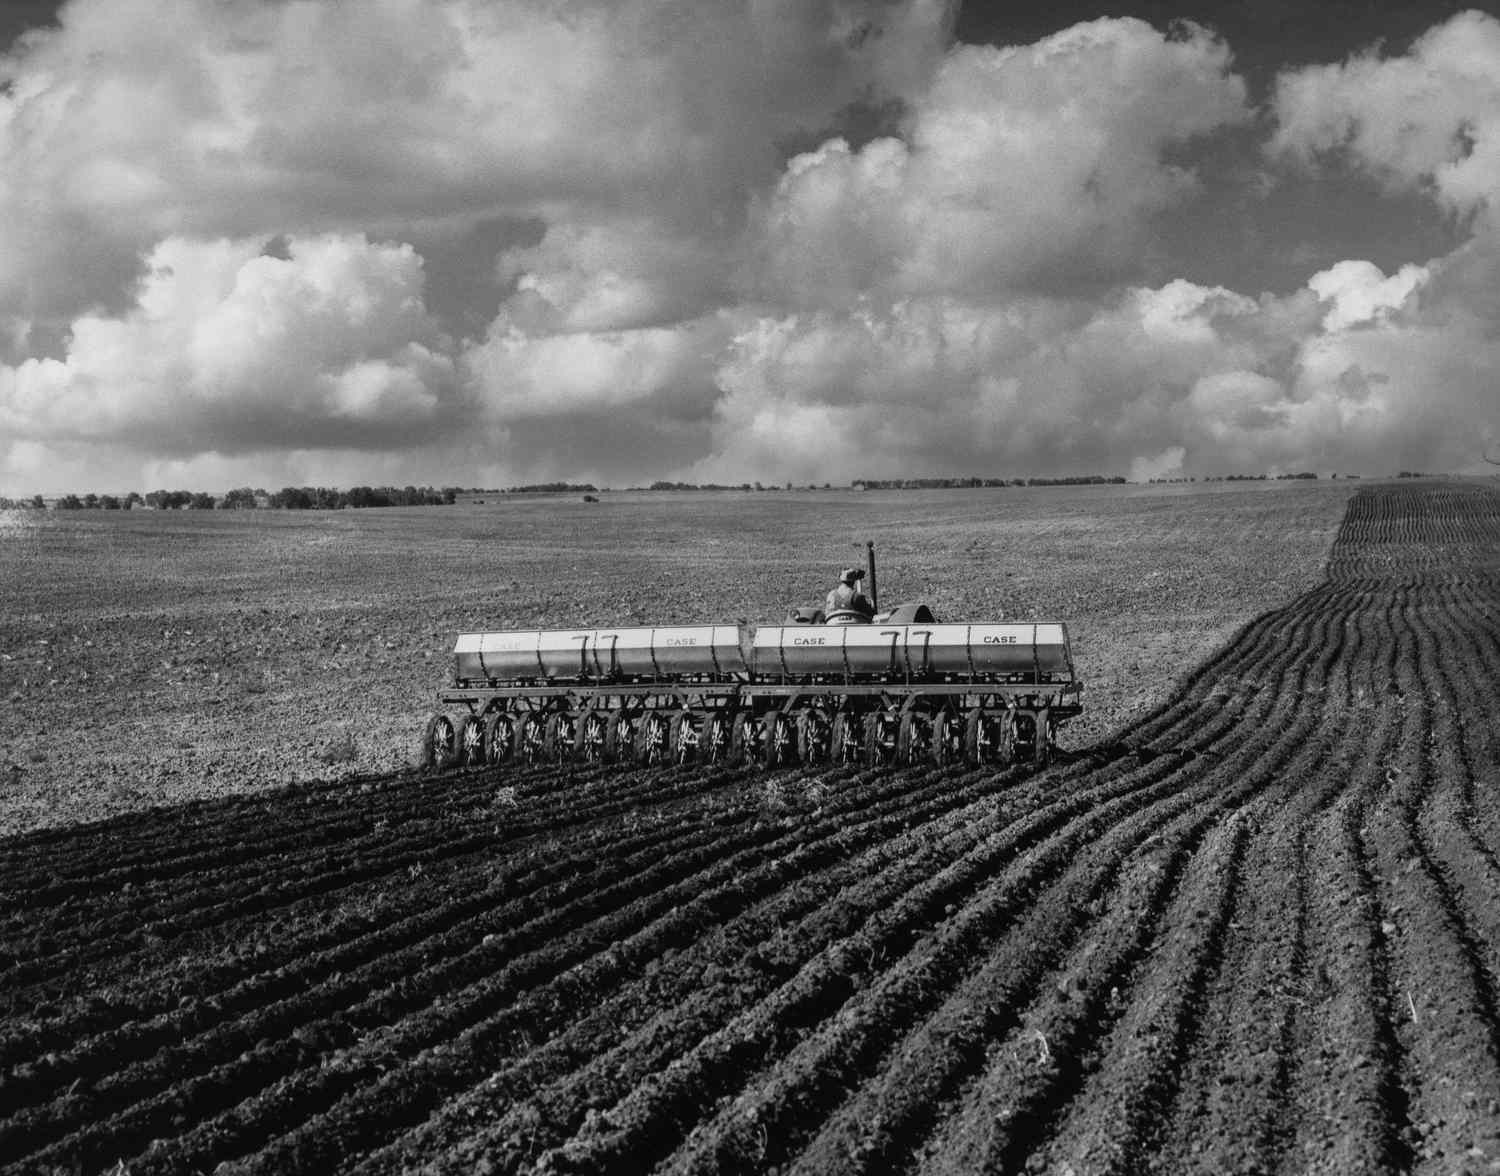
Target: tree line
pixel 249 498
pixel 976 483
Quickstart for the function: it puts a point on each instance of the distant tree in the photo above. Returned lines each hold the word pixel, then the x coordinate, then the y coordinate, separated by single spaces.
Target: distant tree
pixel 201 501
pixel 240 498
pixel 557 488
pixel 132 500
pixel 90 501
pixel 108 502
pixel 69 502
pixel 37 502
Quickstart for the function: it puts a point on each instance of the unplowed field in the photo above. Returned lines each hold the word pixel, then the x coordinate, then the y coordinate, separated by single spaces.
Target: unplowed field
pixel 1258 932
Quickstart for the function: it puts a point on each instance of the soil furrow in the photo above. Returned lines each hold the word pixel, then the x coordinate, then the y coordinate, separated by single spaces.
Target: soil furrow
pixel 792 1085
pixel 547 1116
pixel 1253 931
pixel 384 1038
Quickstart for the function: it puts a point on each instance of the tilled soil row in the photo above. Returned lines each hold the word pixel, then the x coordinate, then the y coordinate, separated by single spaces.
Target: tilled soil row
pixel 955 855
pixel 1029 1044
pixel 311 843
pixel 282 1163
pixel 62 932
pixel 372 956
pixel 373 1115
pixel 156 840
pixel 939 1024
pixel 167 849
pixel 1278 955
pixel 836 957
pixel 287 1008
pixel 78 958
pixel 167 1030
pixel 324 929
pixel 1255 931
pixel 902 796
pixel 536 1121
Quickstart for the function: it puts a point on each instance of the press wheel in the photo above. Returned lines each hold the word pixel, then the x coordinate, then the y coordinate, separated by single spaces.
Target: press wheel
pixel 470 751
pixel 439 748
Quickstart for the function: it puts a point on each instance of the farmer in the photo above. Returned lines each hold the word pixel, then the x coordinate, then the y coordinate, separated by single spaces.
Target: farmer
pixel 846 595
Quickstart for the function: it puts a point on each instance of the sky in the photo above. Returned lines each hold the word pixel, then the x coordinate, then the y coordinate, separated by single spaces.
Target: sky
pixel 499 242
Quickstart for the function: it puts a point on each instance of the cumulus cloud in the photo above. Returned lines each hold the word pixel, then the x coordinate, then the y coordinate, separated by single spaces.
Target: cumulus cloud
pixel 1017 167
pixel 1359 293
pixel 418 240
pixel 1166 464
pixel 631 133
pixel 228 349
pixel 932 385
pixel 614 275
pixel 926 330
pixel 1426 120
pixel 259 117
pixel 1413 354
pixel 1174 380
pixel 664 370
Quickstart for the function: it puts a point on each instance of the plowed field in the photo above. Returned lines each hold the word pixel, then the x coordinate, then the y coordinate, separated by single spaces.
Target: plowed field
pixel 1258 932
